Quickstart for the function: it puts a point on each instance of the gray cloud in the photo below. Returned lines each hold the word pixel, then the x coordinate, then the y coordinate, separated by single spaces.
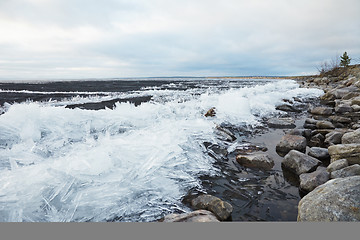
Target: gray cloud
pixel 88 38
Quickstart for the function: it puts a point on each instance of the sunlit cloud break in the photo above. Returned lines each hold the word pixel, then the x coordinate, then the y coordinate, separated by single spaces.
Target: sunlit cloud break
pixel 53 39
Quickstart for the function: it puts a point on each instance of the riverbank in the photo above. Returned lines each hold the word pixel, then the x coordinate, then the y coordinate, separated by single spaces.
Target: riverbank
pixel 315 148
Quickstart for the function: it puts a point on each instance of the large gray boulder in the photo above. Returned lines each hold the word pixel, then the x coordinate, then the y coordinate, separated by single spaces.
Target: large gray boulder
pixel 322 111
pixel 221 209
pixel 333 137
pixel 319 153
pixel 351 137
pixel 325 125
pixel 340 119
pixel 336 165
pixel 335 200
pixel 299 163
pixel 256 161
pixel 196 216
pixel 350 152
pixel 309 181
pixel 343 108
pixel 291 142
pixel 349 171
pixel 281 123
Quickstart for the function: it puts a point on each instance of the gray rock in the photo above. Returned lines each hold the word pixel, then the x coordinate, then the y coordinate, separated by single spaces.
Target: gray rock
pixel 309 181
pixel 316 140
pixel 224 134
pixel 339 119
pixel 353 170
pixel 343 108
pixel 350 152
pixel 281 123
pixel 355 101
pixel 221 209
pixel 321 111
pixel 196 216
pixel 287 108
pixel 309 126
pixel 319 153
pixel 256 161
pixel 299 163
pixel 336 165
pixel 290 142
pixel 356 108
pixel 335 200
pixel 325 125
pixel 333 138
pixel 300 132
pixel 311 121
pixel 351 137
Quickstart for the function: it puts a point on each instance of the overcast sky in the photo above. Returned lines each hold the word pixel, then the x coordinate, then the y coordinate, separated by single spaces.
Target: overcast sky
pixel 42 39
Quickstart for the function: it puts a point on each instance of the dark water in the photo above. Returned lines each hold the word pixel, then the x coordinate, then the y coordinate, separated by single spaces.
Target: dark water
pixel 256 195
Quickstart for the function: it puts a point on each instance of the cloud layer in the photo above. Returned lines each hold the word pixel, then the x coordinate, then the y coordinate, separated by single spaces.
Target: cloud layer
pixel 42 39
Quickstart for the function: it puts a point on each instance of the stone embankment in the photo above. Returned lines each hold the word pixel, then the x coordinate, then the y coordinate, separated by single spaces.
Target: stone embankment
pixel 329 172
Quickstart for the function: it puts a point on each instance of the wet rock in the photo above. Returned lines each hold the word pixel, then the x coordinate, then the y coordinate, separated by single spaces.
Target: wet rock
pixel 319 153
pixel 290 142
pixel 321 111
pixel 343 108
pixel 196 216
pixel 350 95
pixel 350 152
pixel 210 113
pixel 246 148
pixel 353 170
pixel 311 121
pixel 335 200
pixel 221 209
pixel 355 101
pixel 300 132
pixel 325 125
pixel 356 108
pixel 317 140
pixel 256 161
pixel 351 137
pixel 299 163
pixel 309 181
pixel 336 165
pixel 287 108
pixel 309 126
pixel 333 138
pixel 281 123
pixel 224 134
pixel 339 119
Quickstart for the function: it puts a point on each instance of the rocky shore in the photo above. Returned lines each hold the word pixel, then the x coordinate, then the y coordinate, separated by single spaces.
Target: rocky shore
pixel 322 154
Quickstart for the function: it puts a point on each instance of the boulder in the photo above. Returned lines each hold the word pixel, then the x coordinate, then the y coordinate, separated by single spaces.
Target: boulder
pixel 333 137
pixel 196 216
pixel 311 121
pixel 355 101
pixel 309 181
pixel 350 152
pixel 317 140
pixel 339 119
pixel 281 123
pixel 290 142
pixel 319 153
pixel 325 125
pixel 343 108
pixel 351 137
pixel 287 108
pixel 221 209
pixel 224 134
pixel 299 163
pixel 210 113
pixel 309 126
pixel 356 108
pixel 335 200
pixel 321 111
pixel 336 165
pixel 256 161
pixel 353 170
pixel 300 132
